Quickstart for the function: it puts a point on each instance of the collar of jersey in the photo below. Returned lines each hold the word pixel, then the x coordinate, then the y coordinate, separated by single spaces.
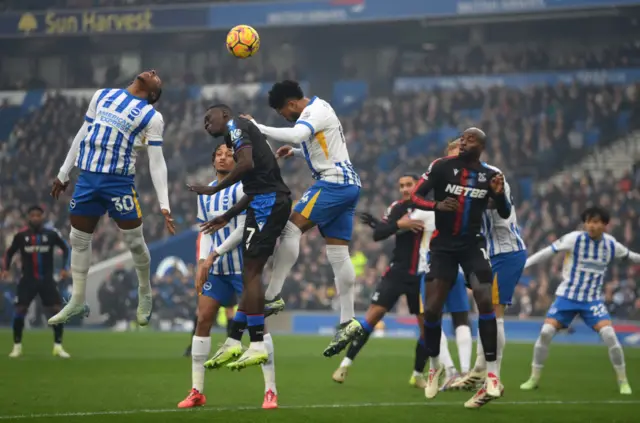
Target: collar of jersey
pixel 314 98
pixel 134 96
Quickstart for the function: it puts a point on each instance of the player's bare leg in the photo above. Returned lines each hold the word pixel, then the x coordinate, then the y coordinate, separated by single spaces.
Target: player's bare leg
pixel 492 388
pixel 200 348
pixel 82 228
pixel 133 234
pixel 284 258
pixel 436 295
pixel 252 303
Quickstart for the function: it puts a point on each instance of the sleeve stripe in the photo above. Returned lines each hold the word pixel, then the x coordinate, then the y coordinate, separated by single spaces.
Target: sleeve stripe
pixel 307 124
pixel 553 247
pixel 88 119
pixel 155 143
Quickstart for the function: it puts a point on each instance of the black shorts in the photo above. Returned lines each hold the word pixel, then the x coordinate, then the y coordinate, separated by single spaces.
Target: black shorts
pixel 392 286
pixel 267 216
pixel 29 288
pixel 473 259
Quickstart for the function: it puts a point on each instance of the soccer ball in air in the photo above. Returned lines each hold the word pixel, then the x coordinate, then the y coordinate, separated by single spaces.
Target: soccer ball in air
pixel 243 41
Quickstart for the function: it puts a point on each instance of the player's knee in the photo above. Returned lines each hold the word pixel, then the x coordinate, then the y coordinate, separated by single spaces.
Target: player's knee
pixel 608 335
pixel 547 332
pixel 134 238
pixel 80 241
pixel 291 230
pixel 432 315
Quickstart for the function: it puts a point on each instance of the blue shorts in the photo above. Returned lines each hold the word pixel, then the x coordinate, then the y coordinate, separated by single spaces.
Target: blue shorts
pixel 457 300
pixel 222 288
pixel 98 193
pixel 331 207
pixel 507 269
pixel 565 310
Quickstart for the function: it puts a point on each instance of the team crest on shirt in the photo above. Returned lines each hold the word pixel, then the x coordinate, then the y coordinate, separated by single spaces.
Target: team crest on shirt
pixel 134 113
pixel 72 204
pixel 26 239
pixel 482 177
pixel 206 286
pixel 226 200
pixel 455 172
pixel 235 134
pixel 44 238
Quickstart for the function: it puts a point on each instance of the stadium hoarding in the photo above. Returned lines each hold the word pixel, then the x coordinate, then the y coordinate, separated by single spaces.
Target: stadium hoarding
pixel 517 330
pixel 222 16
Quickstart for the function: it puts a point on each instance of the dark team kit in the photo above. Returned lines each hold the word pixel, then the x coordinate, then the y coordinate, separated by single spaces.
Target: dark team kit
pixel 401 277
pixel 36 249
pixel 457 239
pixel 270 207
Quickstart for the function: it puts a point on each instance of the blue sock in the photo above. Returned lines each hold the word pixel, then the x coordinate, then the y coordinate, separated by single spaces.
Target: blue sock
pixel 366 326
pixel 240 317
pixel 255 322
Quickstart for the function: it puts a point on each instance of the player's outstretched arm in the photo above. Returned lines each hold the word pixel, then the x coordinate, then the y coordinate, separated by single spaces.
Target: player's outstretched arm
pixel 389 224
pixel 221 221
pixel 8 256
pixel 623 253
pixel 565 243
pixel 296 135
pixel 539 257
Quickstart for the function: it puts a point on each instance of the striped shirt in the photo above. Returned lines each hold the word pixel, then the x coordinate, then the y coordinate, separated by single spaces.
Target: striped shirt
pixel 120 124
pixel 212 206
pixel 326 150
pixel 502 235
pixel 585 265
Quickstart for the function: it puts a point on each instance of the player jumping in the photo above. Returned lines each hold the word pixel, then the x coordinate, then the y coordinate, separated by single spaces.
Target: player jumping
pixel 508 255
pixel 401 278
pixel 36 245
pixel 330 203
pixel 462 186
pixel 588 255
pixel 219 279
pixel 268 203
pixel 118 123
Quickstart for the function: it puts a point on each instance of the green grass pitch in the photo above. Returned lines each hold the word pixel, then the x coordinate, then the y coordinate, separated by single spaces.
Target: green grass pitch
pixel 140 377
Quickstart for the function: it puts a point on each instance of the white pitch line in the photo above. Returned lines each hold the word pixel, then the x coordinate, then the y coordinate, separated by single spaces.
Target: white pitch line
pixel 303 407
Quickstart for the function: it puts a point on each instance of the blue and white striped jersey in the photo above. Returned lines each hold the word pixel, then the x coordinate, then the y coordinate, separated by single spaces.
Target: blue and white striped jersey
pixel 212 206
pixel 502 235
pixel 121 124
pixel 585 264
pixel 326 150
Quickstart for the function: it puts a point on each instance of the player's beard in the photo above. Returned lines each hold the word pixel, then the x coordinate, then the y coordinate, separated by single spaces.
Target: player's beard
pixel 223 172
pixel 469 155
pixel 35 226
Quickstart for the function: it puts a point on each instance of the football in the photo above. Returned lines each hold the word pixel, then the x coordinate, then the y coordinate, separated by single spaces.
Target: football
pixel 243 41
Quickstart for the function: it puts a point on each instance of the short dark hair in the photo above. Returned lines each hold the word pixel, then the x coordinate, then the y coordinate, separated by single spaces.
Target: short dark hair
pixel 283 91
pixel 157 97
pixel 35 207
pixel 410 175
pixel 222 106
pixel 596 211
pixel 215 150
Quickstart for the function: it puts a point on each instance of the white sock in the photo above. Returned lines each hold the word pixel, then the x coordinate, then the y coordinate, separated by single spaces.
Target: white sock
pixel 200 349
pixel 434 363
pixel 134 238
pixel 346 362
pixel 541 349
pixel 502 341
pixel 481 364
pixel 269 368
pixel 416 373
pixel 345 279
pixel 445 354
pixel 492 367
pixel 80 264
pixel 284 258
pixel 465 346
pixel 616 355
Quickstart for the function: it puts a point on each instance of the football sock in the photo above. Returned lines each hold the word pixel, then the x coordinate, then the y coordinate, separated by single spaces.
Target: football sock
pixel 80 263
pixel 269 368
pixel 57 333
pixel 134 238
pixel 238 325
pixel 355 347
pixel 541 349
pixel 465 347
pixel 616 355
pixel 284 258
pixel 200 349
pixel 489 337
pixel 420 358
pixel 345 279
pixel 502 341
pixel 432 336
pixel 255 324
pixel 18 327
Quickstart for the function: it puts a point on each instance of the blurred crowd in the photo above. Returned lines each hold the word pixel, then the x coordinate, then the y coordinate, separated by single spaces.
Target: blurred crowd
pixel 533 132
